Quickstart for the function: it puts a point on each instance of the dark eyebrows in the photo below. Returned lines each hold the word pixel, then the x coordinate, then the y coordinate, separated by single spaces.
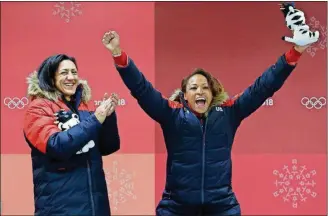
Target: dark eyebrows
pixel 203 84
pixel 65 70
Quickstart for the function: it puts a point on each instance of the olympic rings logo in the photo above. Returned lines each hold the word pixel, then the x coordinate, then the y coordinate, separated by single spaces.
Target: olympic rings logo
pixel 15 102
pixel 313 102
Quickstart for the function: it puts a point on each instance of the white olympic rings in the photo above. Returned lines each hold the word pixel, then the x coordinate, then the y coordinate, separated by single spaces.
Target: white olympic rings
pixel 15 102
pixel 313 102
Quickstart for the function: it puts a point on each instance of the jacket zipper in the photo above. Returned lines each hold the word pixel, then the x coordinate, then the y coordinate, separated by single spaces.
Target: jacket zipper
pixel 203 153
pixel 203 161
pixel 90 189
pixel 72 108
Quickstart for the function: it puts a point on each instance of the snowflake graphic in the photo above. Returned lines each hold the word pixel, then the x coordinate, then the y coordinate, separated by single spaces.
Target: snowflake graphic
pixel 322 42
pixel 67 10
pixel 294 184
pixel 120 184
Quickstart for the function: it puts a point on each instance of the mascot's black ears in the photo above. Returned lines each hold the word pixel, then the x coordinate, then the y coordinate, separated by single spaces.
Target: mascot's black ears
pixel 285 7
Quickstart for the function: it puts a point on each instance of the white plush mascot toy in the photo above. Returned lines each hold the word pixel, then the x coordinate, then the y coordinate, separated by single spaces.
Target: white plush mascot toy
pixel 66 120
pixel 295 21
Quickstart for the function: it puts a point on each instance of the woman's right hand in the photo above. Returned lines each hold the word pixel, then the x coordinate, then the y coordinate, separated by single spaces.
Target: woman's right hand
pixel 102 111
pixel 111 41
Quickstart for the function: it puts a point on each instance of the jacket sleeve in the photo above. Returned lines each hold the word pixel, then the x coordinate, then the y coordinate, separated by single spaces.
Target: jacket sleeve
pixel 109 141
pixel 44 135
pixel 264 87
pixel 149 98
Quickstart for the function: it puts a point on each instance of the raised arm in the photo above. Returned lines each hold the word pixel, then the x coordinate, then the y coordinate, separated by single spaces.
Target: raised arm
pixel 275 76
pixel 266 85
pixel 151 100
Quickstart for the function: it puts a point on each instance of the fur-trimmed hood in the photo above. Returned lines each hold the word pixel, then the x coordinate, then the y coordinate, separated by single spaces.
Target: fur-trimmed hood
pixel 218 100
pixel 35 91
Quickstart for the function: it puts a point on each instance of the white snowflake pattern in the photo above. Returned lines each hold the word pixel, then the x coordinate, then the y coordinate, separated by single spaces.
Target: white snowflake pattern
pixel 120 185
pixel 67 10
pixel 322 42
pixel 295 184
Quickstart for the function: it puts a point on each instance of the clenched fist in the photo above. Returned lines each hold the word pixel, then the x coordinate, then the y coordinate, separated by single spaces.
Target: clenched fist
pixel 111 41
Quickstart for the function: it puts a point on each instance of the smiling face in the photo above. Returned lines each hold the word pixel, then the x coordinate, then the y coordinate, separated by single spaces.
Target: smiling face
pixel 66 78
pixel 198 93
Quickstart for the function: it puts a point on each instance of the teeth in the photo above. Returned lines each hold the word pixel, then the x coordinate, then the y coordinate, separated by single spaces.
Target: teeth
pixel 198 99
pixel 69 84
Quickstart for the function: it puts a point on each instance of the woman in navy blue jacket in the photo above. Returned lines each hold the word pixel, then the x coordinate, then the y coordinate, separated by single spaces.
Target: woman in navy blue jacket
pixel 199 123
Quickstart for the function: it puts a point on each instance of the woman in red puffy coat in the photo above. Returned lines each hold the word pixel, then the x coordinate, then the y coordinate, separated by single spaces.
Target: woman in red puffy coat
pixel 68 140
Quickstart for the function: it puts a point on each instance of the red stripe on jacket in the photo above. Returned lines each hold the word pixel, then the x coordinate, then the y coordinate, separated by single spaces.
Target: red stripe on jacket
pixel 39 124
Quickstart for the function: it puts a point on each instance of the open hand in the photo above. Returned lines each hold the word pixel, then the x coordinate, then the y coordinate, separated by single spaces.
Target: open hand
pixel 104 109
pixel 114 102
